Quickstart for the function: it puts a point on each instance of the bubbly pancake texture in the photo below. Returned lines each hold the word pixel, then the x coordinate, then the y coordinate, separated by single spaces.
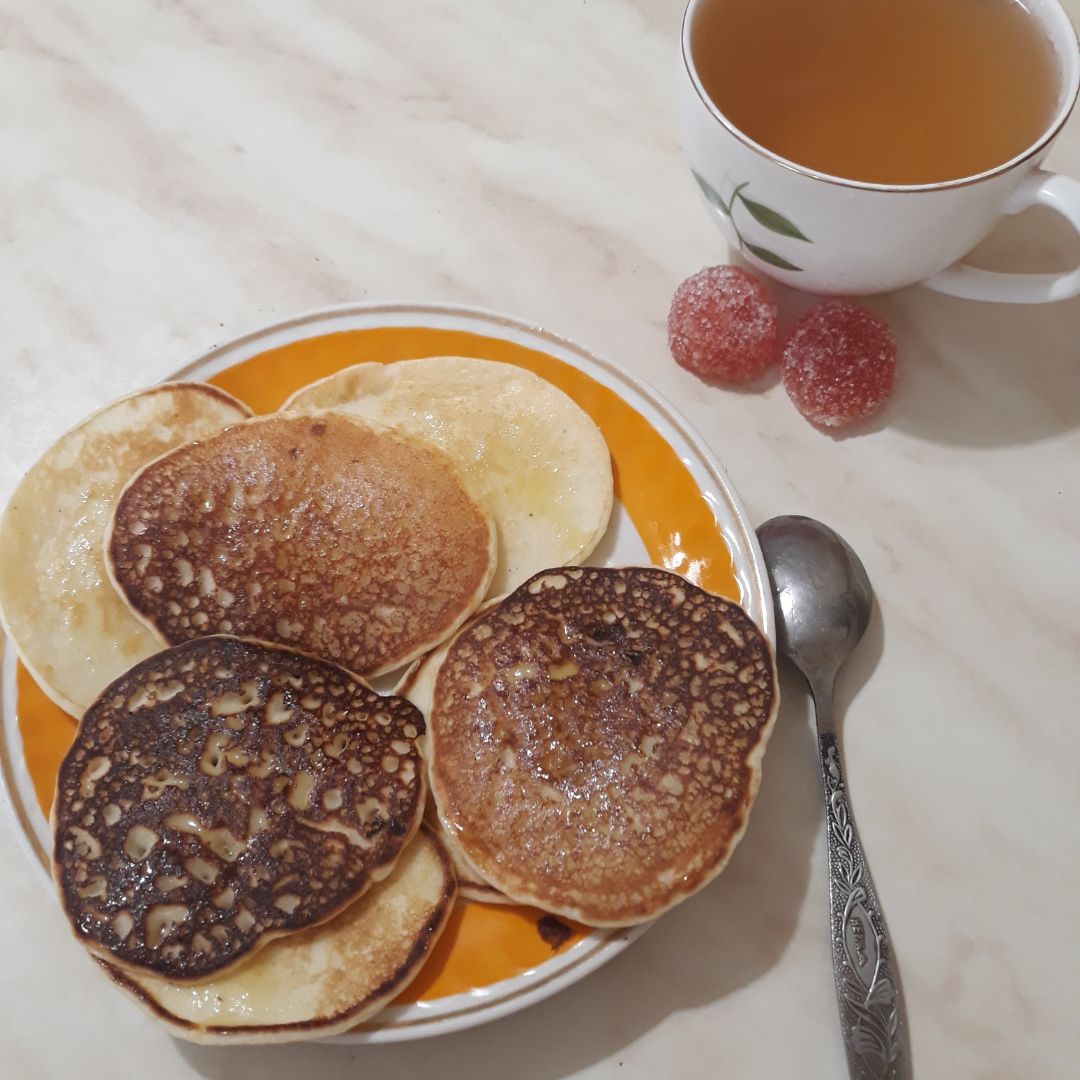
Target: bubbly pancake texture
pixel 594 741
pixel 324 980
pixel 527 451
pixel 320 533
pixel 72 630
pixel 223 793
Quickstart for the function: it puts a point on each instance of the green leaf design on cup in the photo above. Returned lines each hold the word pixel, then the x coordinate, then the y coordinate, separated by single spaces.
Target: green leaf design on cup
pixel 773 219
pixel 712 196
pixel 770 257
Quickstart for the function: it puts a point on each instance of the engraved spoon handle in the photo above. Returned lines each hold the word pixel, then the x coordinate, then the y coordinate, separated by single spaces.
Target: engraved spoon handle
pixel 866 988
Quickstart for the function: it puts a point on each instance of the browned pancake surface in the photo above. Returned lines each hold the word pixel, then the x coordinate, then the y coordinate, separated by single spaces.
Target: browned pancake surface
pixel 594 741
pixel 225 792
pixel 319 533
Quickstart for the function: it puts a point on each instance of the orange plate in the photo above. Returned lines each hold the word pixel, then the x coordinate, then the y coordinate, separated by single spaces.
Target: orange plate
pixel 483 943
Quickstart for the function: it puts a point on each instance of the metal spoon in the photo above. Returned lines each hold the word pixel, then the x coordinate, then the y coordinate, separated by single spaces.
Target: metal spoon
pixel 823 601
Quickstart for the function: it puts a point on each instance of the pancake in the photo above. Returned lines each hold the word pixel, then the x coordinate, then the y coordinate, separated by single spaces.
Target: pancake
pixel 416 685
pixel 323 534
pixel 528 451
pixel 321 981
pixel 471 886
pixel 58 606
pixel 226 792
pixel 595 741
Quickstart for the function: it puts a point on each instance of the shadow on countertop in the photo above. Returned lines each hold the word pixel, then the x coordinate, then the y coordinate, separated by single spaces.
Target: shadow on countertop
pixel 719 941
pixel 981 375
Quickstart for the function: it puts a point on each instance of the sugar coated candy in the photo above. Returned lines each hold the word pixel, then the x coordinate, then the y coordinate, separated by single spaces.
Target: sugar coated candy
pixel 839 363
pixel 722 325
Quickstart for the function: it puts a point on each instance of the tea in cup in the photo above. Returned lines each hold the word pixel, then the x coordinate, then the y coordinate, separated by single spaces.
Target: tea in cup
pixel 856 146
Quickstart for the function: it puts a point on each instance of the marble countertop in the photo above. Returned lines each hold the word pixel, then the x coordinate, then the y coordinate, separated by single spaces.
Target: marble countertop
pixel 176 174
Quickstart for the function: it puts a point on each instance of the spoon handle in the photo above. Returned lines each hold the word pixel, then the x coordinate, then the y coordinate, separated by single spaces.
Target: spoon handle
pixel 866 988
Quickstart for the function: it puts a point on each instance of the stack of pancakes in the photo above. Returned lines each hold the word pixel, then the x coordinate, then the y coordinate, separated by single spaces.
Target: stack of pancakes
pixel 247 836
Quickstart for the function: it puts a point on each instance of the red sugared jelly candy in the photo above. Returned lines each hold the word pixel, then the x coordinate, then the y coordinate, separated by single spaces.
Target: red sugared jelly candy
pixel 722 324
pixel 839 364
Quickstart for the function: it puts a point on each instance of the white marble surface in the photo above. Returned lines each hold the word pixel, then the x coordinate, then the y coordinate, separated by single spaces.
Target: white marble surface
pixel 175 173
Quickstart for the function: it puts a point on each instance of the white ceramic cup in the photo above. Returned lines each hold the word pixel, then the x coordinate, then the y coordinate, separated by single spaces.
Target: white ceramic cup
pixel 829 235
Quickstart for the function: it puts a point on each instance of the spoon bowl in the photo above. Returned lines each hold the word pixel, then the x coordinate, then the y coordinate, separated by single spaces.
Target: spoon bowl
pixel 822 593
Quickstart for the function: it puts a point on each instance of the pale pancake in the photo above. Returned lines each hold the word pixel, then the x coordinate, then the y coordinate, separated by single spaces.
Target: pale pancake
pixel 594 741
pixel 470 886
pixel 527 450
pixel 226 792
pixel 71 629
pixel 322 533
pixel 321 981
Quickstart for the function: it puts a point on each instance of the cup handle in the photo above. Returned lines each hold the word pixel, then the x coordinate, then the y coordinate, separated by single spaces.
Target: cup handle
pixel 1060 193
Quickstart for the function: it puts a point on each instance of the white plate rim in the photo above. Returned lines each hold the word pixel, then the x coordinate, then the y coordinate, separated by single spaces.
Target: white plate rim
pixel 460 1011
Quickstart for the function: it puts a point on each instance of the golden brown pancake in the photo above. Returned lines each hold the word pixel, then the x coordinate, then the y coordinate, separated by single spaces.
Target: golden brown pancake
pixel 323 534
pixel 226 792
pixel 72 630
pixel 526 450
pixel 416 685
pixel 594 741
pixel 324 980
